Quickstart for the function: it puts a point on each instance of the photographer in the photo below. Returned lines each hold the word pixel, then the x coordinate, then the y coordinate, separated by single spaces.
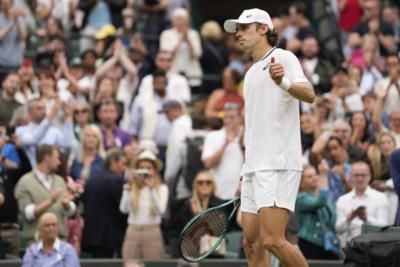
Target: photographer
pixel 145 200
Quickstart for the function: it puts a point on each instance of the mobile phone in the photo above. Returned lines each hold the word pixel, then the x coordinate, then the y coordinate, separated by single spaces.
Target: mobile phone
pixel 142 174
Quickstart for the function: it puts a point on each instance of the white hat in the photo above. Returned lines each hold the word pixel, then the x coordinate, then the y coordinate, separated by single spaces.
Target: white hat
pixel 249 16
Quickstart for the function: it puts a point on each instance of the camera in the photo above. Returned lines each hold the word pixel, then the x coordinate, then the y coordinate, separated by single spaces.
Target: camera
pixel 142 174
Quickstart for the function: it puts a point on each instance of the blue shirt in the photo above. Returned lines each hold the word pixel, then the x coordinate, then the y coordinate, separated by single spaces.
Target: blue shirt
pixel 335 182
pixel 62 255
pixel 10 152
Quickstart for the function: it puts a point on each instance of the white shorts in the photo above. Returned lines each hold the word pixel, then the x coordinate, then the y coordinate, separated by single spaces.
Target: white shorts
pixel 268 189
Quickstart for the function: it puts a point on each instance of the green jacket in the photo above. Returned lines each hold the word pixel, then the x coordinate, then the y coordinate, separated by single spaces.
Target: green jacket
pixel 29 190
pixel 307 207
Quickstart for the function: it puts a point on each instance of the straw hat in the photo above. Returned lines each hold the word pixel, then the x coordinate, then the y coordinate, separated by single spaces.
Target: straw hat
pixel 148 155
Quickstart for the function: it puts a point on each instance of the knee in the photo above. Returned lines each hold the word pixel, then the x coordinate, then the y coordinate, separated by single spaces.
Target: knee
pixel 251 246
pixel 273 244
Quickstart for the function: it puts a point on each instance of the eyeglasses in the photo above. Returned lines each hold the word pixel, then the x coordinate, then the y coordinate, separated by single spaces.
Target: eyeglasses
pixel 205 182
pixel 78 111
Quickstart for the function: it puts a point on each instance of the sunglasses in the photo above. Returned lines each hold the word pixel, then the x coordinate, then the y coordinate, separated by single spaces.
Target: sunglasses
pixel 77 111
pixel 206 182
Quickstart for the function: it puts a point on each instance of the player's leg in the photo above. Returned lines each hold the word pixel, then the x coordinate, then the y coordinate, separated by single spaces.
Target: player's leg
pixel 252 243
pixel 273 222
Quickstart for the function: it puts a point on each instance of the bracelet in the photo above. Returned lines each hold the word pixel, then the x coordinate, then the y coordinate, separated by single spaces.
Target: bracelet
pixel 285 84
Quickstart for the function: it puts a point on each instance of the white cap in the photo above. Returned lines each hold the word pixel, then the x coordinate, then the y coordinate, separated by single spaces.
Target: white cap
pixel 249 16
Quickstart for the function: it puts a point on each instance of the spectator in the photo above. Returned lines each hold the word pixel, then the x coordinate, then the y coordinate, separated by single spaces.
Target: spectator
pixel 180 130
pixel 12 37
pixel 145 200
pixel 2 199
pixel 91 154
pixel 373 24
pixel 317 69
pixel 49 249
pixel 10 86
pixel 298 17
pixel 41 191
pixel 104 228
pixel 29 83
pixel 361 205
pixel 395 174
pixel 379 155
pixel 389 86
pixel 350 14
pixel 40 131
pixel 113 136
pixel 222 153
pixel 214 57
pixel 83 116
pixel 361 136
pixel 390 15
pixel 147 122
pixel 312 205
pixel 185 46
pixel 202 198
pixel 309 133
pixel 229 93
pixel 177 86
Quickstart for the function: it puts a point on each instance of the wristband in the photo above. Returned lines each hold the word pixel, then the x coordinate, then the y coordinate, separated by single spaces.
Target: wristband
pixel 285 84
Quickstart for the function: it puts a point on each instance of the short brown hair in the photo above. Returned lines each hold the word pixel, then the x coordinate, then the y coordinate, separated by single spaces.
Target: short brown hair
pixel 44 150
pixel 113 155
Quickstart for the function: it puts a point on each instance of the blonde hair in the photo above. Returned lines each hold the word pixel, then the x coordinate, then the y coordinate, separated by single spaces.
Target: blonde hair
pixel 100 146
pixel 195 193
pixel 211 31
pixel 37 235
pixel 305 168
pixel 137 186
pixel 377 159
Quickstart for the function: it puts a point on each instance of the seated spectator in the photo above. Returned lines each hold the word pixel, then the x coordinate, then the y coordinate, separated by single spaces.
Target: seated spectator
pixel 145 200
pixel 202 198
pixel 229 93
pixel 40 131
pixel 312 205
pixel 91 154
pixel 185 46
pixel 41 191
pixel 49 250
pixel 361 205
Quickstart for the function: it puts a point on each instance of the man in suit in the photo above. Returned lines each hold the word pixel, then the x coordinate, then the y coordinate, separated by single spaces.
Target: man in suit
pixel 104 224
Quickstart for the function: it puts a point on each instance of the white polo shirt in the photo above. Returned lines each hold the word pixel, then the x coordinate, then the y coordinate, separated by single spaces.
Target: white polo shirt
pixel 272 118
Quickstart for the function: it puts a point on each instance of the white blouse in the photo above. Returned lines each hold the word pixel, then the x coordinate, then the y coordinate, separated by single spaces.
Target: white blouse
pixel 143 215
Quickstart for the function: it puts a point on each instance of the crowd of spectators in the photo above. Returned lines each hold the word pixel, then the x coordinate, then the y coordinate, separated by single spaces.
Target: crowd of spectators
pixel 99 99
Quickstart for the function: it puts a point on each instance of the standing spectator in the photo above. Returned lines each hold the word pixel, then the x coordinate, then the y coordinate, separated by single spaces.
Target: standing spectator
pixel 361 136
pixel 350 14
pixel 180 130
pixel 215 55
pixel 312 205
pixel 105 225
pixel 147 122
pixel 40 131
pixel 41 191
pixel 185 46
pixel 222 154
pixel 10 86
pixel 145 200
pixel 2 199
pixel 12 37
pixel 317 69
pixel 177 86
pixel 298 16
pixel 113 136
pixel 361 205
pixel 390 85
pixel 372 24
pixel 390 15
pixel 91 153
pixel 49 249
pixel 29 83
pixel 83 116
pixel 379 155
pixel 229 93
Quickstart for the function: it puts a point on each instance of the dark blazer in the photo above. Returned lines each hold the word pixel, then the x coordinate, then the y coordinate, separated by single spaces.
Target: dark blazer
pixel 104 224
pixel 395 173
pixel 77 166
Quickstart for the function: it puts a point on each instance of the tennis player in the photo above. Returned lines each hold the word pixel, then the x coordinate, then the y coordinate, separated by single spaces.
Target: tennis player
pixel 271 173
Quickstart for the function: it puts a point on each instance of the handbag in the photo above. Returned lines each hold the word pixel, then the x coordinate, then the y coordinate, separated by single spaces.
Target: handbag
pixel 207 241
pixel 331 242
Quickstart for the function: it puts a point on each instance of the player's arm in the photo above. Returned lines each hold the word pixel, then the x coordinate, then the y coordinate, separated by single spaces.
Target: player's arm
pixel 302 91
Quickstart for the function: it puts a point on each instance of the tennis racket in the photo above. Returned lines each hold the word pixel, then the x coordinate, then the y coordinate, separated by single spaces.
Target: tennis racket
pixel 210 227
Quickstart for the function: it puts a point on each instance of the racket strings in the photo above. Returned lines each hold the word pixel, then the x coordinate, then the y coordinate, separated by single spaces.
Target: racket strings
pixel 206 231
